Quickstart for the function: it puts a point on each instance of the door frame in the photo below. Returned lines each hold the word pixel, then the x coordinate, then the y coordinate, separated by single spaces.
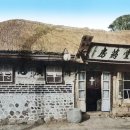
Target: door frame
pixel 95 89
pixel 81 102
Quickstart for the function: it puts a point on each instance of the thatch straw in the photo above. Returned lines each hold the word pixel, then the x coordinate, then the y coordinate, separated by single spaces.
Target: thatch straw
pixel 28 35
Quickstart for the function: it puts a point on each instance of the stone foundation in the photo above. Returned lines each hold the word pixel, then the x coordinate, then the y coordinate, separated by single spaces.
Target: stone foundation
pixel 19 108
pixel 28 99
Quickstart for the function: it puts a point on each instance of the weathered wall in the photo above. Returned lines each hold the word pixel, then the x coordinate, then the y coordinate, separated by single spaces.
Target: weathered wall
pixel 20 108
pixel 120 106
pixel 30 99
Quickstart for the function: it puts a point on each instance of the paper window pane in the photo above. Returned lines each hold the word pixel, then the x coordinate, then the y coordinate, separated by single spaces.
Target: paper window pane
pixel 106 76
pixel 105 85
pixel 50 79
pixel 58 79
pixel 54 71
pixel 7 78
pixel 81 84
pixel 6 75
pixel 105 94
pixel 82 76
pixel 81 94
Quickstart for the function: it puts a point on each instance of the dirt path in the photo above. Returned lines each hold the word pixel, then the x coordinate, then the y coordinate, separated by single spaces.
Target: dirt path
pixel 107 123
pixel 94 123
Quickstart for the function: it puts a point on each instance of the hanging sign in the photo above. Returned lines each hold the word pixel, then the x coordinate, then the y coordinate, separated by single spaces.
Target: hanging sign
pixel 109 53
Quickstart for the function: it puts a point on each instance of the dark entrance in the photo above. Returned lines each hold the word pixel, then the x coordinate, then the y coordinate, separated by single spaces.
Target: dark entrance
pixel 93 91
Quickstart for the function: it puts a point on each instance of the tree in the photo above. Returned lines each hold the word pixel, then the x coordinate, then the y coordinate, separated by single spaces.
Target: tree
pixel 120 23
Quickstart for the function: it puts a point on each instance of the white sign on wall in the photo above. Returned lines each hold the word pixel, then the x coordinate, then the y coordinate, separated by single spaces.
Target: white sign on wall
pixel 109 53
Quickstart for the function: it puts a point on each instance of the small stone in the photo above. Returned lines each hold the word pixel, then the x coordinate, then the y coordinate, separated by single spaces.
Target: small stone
pixel 21 116
pixel 11 113
pixel 24 113
pixel 30 122
pixel 47 120
pixel 20 121
pixel 0 105
pixel 4 121
pixel 26 105
pixel 14 117
pixel 39 121
pixel 17 112
pixel 17 105
pixel 33 111
pixel 12 121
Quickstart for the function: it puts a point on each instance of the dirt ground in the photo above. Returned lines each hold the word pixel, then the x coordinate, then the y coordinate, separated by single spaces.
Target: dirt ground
pixel 91 123
pixel 107 123
pixel 94 123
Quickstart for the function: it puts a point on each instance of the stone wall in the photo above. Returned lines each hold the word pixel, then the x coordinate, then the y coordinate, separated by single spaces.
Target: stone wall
pixel 120 106
pixel 19 108
pixel 30 99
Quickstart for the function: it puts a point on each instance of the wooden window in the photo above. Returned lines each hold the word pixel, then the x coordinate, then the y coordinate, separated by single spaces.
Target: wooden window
pixel 53 74
pixel 6 75
pixel 126 85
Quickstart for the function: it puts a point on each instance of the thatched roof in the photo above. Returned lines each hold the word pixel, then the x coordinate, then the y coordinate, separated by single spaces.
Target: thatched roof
pixel 31 36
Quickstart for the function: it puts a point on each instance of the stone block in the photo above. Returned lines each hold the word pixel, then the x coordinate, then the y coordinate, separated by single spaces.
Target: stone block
pixel 30 122
pixel 47 119
pixel 12 121
pixel 39 122
pixel 4 121
pixel 74 115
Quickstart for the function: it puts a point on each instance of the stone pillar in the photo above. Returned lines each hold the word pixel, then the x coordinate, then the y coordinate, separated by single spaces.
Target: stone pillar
pixel 115 93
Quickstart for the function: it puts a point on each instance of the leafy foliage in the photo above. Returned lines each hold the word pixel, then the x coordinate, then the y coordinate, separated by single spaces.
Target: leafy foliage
pixel 120 23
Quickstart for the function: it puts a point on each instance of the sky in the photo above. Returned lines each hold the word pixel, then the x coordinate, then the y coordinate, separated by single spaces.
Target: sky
pixel 94 14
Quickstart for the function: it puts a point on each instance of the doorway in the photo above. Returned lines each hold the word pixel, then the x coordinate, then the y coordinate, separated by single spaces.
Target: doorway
pixel 93 91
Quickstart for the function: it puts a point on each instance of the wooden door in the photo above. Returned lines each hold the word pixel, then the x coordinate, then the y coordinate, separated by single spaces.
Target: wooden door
pixel 106 85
